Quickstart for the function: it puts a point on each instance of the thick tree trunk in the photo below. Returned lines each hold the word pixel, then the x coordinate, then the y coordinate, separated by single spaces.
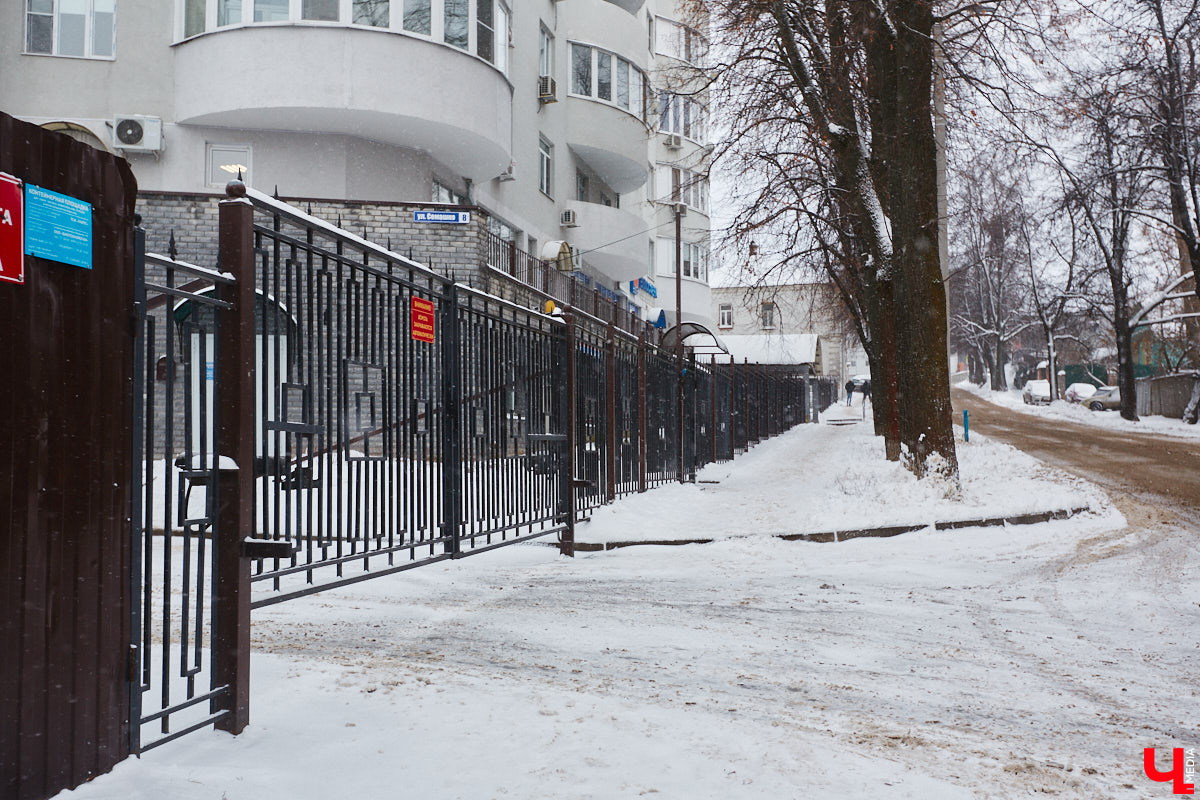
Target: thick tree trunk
pixel 1126 378
pixel 999 379
pixel 885 400
pixel 920 296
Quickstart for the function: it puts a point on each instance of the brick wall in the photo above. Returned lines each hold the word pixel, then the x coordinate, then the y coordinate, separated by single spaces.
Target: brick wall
pixel 457 251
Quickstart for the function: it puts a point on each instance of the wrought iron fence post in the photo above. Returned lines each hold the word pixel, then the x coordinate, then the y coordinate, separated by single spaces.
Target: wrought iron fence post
pixel 137 529
pixel 732 403
pixel 566 542
pixel 641 390
pixel 712 408
pixel 610 410
pixel 451 418
pixel 234 411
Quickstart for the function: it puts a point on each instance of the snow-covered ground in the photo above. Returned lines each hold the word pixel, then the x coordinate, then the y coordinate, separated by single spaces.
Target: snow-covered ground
pixel 1074 412
pixel 987 662
pixel 829 477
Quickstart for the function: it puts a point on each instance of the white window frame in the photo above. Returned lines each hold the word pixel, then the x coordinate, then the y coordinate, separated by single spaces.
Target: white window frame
pixel 89 31
pixel 545 50
pixel 679 41
pixel 242 152
pixel 546 167
pixel 687 187
pixel 501 27
pixel 441 193
pixel 673 109
pixel 637 79
pixel 767 313
pixel 725 315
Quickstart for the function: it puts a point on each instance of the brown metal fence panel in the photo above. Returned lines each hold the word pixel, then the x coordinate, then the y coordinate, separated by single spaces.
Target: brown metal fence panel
pixel 66 451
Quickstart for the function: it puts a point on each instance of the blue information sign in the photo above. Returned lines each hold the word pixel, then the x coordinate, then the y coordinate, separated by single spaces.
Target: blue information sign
pixel 57 227
pixel 449 217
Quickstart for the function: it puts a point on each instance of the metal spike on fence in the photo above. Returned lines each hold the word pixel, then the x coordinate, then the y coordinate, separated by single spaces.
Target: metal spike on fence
pixel 310 209
pixel 172 251
pixel 276 195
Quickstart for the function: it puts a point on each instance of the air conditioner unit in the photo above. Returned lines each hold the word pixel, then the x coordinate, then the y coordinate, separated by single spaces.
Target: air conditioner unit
pixel 137 133
pixel 508 174
pixel 674 141
pixel 547 89
pixel 566 218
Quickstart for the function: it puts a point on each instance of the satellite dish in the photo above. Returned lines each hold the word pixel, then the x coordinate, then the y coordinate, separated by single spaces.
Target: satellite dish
pixel 130 131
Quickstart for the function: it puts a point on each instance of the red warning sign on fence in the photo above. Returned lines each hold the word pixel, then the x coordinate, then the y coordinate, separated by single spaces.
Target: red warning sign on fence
pixel 12 230
pixel 422 320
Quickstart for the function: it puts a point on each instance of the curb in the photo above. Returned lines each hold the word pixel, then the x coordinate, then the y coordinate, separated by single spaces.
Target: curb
pixel 862 533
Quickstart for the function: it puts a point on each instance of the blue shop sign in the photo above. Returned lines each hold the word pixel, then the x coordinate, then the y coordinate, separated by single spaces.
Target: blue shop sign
pixel 646 286
pixel 57 227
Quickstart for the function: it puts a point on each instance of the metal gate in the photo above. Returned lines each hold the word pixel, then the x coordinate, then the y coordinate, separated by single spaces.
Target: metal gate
pixel 321 410
pixel 175 468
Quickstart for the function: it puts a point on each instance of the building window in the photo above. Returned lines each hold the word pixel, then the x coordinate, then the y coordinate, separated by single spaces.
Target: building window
pixel 485 29
pixel 581 186
pixel 80 28
pixel 545 52
pixel 375 13
pixel 680 42
pixel 682 115
pixel 270 10
pixel 418 16
pixel 194 12
pixel 687 187
pixel 480 27
pixel 456 20
pixel 545 167
pixel 320 10
pixel 725 315
pixel 768 315
pixel 444 194
pixel 606 77
pixel 226 161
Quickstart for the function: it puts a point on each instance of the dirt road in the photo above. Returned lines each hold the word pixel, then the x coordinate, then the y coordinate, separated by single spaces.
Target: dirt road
pixel 1156 470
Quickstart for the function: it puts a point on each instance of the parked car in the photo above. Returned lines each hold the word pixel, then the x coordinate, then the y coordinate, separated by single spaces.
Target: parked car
pixel 1079 392
pixel 1036 392
pixel 1106 398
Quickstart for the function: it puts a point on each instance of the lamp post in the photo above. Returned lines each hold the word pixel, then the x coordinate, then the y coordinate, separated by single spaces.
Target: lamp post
pixel 680 210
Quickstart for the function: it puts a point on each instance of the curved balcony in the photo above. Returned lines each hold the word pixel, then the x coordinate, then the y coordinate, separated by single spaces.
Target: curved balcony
pixel 376 85
pixel 613 241
pixel 610 141
pixel 608 25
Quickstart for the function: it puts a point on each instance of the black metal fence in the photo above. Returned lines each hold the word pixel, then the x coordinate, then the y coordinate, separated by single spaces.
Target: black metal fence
pixel 320 410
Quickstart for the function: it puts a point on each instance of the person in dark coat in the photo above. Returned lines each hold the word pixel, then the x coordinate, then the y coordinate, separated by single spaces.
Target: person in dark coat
pixel 866 390
pixel 849 391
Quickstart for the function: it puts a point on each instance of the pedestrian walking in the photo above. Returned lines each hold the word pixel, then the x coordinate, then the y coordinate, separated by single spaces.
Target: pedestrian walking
pixel 849 391
pixel 866 390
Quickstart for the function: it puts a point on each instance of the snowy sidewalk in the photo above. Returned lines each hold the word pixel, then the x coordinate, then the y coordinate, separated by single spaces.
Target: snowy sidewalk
pixel 984 663
pixel 818 479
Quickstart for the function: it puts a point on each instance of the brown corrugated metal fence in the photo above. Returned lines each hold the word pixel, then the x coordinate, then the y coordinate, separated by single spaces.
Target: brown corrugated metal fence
pixel 66 339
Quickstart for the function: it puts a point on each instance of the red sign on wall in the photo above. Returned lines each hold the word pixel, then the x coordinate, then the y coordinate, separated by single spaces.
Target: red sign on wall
pixel 422 320
pixel 12 230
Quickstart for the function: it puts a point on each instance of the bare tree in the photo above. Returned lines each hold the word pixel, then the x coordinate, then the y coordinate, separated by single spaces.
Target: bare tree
pixel 990 285
pixel 830 112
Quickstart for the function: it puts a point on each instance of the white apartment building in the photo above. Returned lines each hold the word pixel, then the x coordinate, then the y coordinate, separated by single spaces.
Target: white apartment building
pixel 553 121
